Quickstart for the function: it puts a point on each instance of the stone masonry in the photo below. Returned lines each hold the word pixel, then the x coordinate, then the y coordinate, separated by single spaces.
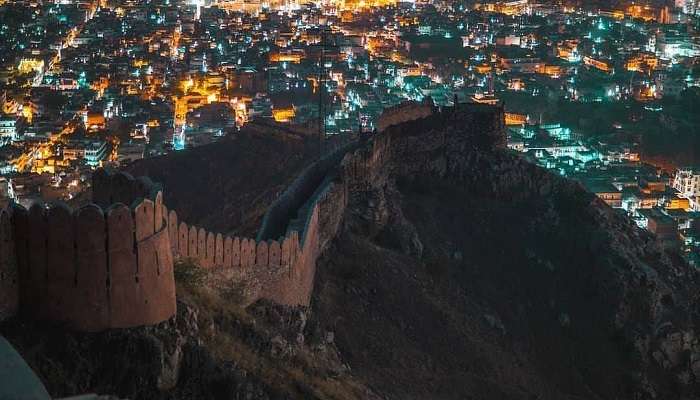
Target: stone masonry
pixel 110 264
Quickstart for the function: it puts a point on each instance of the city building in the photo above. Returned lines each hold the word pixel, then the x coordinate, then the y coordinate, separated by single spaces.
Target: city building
pixel 687 182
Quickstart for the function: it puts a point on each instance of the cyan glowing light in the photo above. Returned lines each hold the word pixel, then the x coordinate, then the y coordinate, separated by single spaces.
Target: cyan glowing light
pixel 179 141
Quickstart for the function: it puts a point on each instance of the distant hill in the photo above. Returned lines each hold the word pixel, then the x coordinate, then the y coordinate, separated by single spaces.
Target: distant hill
pixel 510 283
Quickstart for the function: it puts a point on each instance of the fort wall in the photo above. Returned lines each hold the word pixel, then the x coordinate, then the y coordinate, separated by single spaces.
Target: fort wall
pixel 404 112
pixel 91 269
pixel 438 143
pixel 285 207
pixel 111 187
pixel 110 264
pixel 280 263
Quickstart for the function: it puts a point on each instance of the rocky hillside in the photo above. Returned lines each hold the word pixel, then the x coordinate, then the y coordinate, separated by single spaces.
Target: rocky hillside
pixel 502 281
pixel 212 349
pixel 458 273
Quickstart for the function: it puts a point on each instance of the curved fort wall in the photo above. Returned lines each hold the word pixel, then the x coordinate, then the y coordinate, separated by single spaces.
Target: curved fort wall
pixel 280 263
pixel 94 268
pixel 406 111
pixel 110 264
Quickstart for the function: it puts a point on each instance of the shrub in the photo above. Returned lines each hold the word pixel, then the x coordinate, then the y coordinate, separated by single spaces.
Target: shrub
pixel 189 273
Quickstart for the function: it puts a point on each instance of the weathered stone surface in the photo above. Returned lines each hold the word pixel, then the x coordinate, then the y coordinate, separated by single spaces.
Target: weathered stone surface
pixel 236 252
pixel 286 251
pixel 193 243
pixel 37 256
pixel 219 253
pixel 183 240
pixel 125 292
pixel 9 275
pixel 211 250
pixel 228 252
pixel 274 252
pixel 261 254
pixel 92 309
pixel 61 270
pixel 202 247
pixel 174 229
pixel 144 215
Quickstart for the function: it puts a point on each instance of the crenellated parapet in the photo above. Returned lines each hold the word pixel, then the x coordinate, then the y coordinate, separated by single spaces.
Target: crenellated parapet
pixel 404 112
pixel 215 250
pixel 253 265
pixel 438 143
pixel 280 263
pixel 110 186
pixel 90 268
pixel 110 264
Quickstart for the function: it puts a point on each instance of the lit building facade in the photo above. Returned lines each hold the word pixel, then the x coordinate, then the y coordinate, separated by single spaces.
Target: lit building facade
pixel 687 182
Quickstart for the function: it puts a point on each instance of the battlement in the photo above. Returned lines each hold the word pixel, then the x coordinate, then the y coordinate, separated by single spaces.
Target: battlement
pixel 94 269
pixel 307 216
pixel 280 263
pixel 110 187
pixel 438 143
pixel 404 112
pixel 244 256
pixel 110 264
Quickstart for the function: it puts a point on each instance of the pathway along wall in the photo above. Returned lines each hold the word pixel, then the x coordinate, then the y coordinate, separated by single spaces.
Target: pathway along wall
pixel 280 263
pixel 281 270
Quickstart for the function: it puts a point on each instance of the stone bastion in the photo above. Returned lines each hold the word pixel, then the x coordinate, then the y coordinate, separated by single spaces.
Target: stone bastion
pixel 92 268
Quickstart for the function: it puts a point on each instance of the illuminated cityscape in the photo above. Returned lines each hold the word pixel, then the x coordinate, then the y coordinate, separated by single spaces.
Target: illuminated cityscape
pixel 589 91
pixel 350 199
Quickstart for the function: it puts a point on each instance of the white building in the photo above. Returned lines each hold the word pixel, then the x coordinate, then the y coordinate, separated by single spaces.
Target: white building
pixel 8 128
pixel 95 152
pixel 687 182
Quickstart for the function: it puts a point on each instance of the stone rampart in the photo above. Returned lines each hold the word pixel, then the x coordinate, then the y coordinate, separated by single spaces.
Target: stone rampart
pixel 280 263
pixel 92 268
pixel 111 187
pixel 285 208
pixel 309 213
pixel 110 264
pixel 438 143
pixel 404 112
pixel 214 250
